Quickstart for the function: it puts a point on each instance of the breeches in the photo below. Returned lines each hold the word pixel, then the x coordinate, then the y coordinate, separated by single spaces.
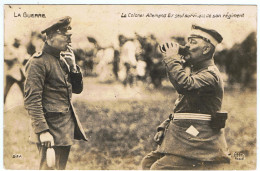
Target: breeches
pixel 161 161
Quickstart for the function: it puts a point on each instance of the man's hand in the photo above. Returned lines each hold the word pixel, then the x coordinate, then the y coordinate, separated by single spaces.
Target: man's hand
pixel 46 139
pixel 158 136
pixel 171 50
pixel 70 58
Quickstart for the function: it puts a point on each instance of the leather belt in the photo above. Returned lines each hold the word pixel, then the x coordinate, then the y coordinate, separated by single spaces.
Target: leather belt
pixel 193 116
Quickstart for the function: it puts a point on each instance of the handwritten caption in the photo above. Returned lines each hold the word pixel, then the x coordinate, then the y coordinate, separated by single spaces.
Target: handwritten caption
pixel 182 15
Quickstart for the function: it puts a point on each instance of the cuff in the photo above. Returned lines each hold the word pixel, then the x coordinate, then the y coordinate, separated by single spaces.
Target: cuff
pixel 77 70
pixel 172 59
pixel 77 73
pixel 40 126
pixel 76 76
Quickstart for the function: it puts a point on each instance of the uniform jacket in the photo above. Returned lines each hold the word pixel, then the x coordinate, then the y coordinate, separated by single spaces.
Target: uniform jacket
pixel 49 88
pixel 201 91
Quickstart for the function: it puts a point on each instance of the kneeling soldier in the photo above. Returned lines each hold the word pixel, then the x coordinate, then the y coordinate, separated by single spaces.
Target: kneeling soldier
pixel 192 137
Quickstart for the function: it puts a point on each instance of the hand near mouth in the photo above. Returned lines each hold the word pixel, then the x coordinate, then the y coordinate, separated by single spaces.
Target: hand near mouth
pixel 171 51
pixel 69 57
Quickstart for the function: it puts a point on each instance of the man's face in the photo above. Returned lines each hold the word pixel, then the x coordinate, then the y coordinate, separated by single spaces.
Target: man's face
pixel 196 49
pixel 61 41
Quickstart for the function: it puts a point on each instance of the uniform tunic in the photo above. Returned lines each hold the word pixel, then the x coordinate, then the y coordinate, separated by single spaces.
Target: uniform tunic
pixel 48 90
pixel 199 92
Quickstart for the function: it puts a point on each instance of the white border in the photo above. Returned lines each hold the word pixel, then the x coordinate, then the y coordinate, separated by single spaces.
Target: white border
pixel 120 2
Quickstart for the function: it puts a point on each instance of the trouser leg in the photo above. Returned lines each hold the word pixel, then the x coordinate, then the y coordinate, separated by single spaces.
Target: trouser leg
pixel 43 162
pixel 126 80
pixel 162 161
pixel 213 166
pixel 172 162
pixel 61 157
pixel 150 159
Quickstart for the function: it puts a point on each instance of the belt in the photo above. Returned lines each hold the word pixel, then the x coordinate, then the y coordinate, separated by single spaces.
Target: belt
pixel 193 116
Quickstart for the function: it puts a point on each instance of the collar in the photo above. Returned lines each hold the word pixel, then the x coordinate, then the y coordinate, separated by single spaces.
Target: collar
pixel 202 65
pixel 51 50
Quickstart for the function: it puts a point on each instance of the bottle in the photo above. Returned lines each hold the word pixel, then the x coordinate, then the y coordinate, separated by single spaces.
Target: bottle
pixel 183 50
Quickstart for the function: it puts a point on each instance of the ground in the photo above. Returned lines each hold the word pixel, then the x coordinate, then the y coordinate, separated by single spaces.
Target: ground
pixel 120 124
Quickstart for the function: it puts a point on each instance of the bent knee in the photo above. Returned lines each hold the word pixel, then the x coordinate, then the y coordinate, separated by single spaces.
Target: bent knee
pixel 146 163
pixel 149 160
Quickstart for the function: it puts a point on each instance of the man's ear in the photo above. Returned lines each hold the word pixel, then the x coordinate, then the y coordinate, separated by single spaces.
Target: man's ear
pixel 50 39
pixel 51 36
pixel 206 49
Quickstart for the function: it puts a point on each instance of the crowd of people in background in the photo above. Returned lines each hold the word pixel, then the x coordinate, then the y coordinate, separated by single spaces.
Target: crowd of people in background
pixel 16 56
pixel 136 61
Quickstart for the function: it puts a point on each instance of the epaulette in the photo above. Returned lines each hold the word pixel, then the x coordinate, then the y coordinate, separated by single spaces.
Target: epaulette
pixel 212 68
pixel 37 54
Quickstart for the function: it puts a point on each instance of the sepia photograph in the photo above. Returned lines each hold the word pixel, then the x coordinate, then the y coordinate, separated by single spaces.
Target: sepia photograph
pixel 129 87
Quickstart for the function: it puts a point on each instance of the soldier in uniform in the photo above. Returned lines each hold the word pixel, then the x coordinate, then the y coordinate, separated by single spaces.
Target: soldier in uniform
pixel 51 77
pixel 193 136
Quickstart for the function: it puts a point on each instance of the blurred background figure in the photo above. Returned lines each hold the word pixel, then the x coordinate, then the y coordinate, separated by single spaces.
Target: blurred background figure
pixel 127 64
pixel 155 70
pixel 116 63
pixel 85 51
pixel 105 65
pixel 35 43
pixel 141 69
pixel 240 66
pixel 16 57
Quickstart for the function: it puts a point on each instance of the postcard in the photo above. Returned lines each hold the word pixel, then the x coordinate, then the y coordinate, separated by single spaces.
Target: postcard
pixel 130 87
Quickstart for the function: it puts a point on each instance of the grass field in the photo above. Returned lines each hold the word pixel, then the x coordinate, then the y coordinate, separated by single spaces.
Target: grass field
pixel 120 124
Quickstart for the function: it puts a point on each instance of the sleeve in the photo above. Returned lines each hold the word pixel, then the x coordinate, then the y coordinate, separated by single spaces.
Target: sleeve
pixel 76 81
pixel 183 82
pixel 35 76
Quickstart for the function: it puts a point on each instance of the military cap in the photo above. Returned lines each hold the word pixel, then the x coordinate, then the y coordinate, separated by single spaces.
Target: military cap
pixel 62 25
pixel 209 35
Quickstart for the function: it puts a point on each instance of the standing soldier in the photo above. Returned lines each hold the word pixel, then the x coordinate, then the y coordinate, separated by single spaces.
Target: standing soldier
pixel 192 137
pixel 51 77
